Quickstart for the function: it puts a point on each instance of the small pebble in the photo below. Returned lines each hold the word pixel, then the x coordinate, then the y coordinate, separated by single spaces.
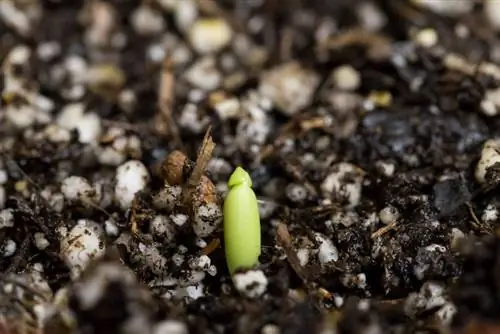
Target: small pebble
pixel 426 38
pixel 82 244
pixel 185 14
pixel 209 35
pixel 270 329
pixel 445 7
pixel 491 10
pixel 490 214
pixel 111 228
pixel 490 155
pixel 40 241
pixel 327 251
pixel 202 262
pixel 6 218
pixel 179 219
pixel 389 215
pixel 206 220
pixel 252 283
pixel 289 86
pixel 296 193
pixel 9 248
pixel 131 177
pixel 344 183
pixel 204 74
pixel 147 21
pixel 162 226
pixel 346 78
pixel 77 188
pixel 170 327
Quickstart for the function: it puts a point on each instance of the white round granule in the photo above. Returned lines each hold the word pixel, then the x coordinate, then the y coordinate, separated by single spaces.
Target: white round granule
pixel 9 248
pixel 202 262
pixel 178 259
pixel 78 188
pixel 490 214
pixel 131 177
pixel 179 219
pixel 40 241
pixel 4 177
pixel 488 108
pixel 490 155
pixel 185 13
pixel 426 38
pixel 296 192
pixel 82 244
pixel 346 78
pixel 209 35
pixel 388 215
pixel 195 291
pixel 212 270
pixel 111 228
pixel 270 329
pixel 491 10
pixel 252 283
pixel 327 251
pixel 344 183
pixel 109 156
pixel 6 218
pixel 303 255
pixel 89 128
pixel 147 21
pixel 206 219
pixel 70 115
pixel 162 226
pixel 170 327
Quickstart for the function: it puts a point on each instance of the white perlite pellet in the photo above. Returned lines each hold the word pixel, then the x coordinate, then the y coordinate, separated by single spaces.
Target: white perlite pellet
pixel 209 35
pixel 346 78
pixel 9 248
pixel 83 243
pixel 207 218
pixel 77 188
pixel 40 241
pixel 6 218
pixel 490 155
pixel 389 215
pixel 170 327
pixel 344 183
pixel 131 177
pixel 252 283
pixel 327 251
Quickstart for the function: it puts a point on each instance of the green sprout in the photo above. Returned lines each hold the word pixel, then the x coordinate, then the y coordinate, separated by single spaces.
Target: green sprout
pixel 241 223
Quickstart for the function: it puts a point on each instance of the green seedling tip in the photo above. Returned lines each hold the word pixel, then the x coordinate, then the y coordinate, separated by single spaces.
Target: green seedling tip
pixel 241 223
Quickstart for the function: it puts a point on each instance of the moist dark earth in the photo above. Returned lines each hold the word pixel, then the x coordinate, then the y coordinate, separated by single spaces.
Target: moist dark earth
pixel 371 131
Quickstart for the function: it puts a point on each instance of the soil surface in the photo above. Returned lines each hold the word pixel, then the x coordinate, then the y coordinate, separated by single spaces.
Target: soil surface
pixel 370 129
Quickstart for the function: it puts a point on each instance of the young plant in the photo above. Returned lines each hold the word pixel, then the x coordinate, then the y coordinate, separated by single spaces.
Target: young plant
pixel 241 222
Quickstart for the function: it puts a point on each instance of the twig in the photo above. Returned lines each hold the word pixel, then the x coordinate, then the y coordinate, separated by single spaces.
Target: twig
pixel 481 226
pixel 378 46
pixel 165 124
pixel 284 239
pixel 383 230
pixel 211 247
pixel 204 155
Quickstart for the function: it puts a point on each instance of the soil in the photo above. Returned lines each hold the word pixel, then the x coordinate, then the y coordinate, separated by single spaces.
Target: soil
pixel 362 124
